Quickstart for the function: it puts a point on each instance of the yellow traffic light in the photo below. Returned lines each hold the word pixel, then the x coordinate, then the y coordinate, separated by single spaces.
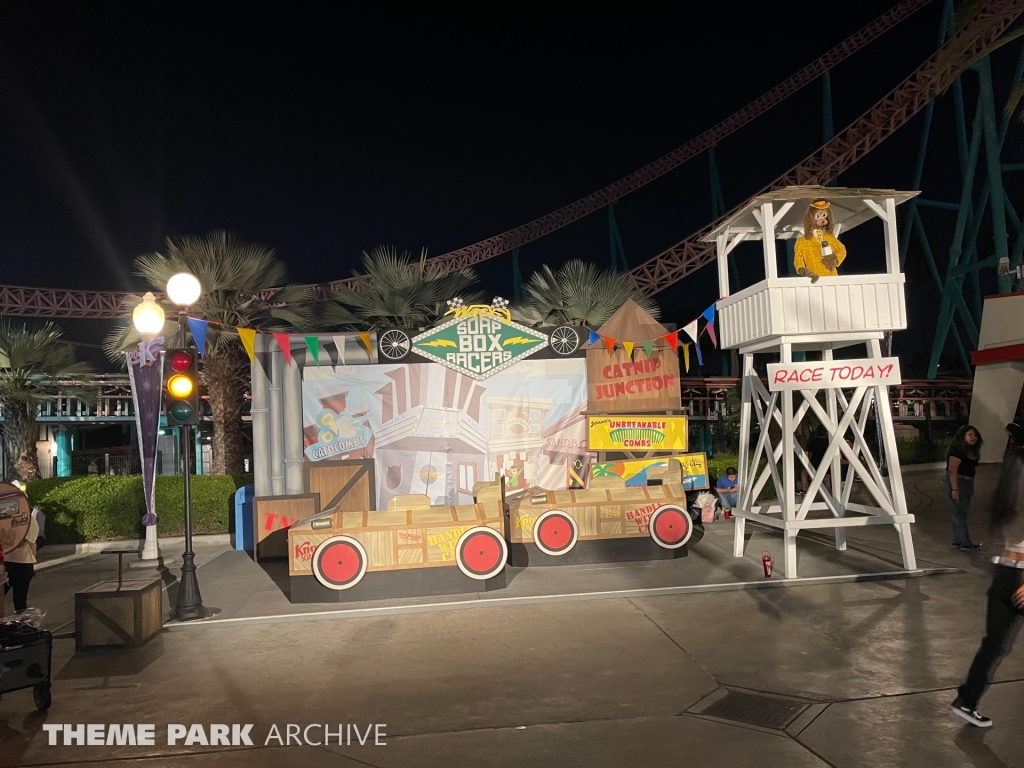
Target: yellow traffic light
pixel 180 385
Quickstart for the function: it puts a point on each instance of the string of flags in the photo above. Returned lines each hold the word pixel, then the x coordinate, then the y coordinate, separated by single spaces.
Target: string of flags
pixel 691 329
pixel 247 336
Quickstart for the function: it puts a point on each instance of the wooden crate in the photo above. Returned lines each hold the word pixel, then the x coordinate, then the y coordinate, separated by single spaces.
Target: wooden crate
pixel 600 513
pixel 129 613
pixel 274 515
pixel 342 484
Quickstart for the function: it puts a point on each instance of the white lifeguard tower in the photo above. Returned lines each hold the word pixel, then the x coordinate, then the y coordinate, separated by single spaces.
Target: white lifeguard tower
pixel 783 315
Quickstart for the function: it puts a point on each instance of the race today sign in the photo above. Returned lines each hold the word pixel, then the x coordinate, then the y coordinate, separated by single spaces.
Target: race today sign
pixel 834 374
pixel 479 341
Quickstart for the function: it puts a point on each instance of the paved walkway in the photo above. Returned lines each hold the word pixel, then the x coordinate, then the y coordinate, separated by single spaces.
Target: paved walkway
pixel 845 674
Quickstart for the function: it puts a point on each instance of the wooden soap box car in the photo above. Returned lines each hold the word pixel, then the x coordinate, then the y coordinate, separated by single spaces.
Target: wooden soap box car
pixel 548 526
pixel 339 549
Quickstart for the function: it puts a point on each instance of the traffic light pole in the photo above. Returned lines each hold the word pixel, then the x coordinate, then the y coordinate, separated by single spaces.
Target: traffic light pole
pixel 190 602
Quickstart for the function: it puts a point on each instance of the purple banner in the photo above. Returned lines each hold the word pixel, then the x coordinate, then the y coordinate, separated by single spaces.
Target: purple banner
pixel 147 378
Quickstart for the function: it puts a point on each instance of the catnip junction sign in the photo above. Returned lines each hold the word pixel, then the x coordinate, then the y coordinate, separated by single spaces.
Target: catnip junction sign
pixel 479 341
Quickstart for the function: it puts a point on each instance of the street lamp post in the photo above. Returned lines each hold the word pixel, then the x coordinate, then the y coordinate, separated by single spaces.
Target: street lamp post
pixel 183 289
pixel 148 319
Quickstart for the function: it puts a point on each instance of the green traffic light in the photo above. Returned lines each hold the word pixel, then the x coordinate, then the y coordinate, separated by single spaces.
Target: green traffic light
pixel 180 411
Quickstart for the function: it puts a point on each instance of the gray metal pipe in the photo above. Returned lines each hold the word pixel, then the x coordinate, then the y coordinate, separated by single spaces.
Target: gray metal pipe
pixel 292 402
pixel 261 419
pixel 276 421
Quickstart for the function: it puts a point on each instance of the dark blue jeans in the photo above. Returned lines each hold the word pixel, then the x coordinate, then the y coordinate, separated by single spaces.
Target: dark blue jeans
pixel 961 507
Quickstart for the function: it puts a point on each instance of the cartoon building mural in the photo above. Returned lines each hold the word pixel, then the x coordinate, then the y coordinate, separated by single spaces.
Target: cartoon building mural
pixel 435 431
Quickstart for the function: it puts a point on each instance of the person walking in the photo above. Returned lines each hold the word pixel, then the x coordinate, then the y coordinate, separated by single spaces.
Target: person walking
pixel 961 463
pixel 20 564
pixel 1006 595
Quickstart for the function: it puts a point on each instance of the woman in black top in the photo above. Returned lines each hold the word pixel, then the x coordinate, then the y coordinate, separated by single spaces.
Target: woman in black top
pixel 961 461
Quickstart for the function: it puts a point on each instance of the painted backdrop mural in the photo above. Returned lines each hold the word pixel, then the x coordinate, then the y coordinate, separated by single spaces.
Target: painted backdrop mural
pixel 435 431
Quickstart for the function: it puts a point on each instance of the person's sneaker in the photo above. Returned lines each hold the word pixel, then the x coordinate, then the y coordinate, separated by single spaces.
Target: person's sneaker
pixel 970 545
pixel 972 716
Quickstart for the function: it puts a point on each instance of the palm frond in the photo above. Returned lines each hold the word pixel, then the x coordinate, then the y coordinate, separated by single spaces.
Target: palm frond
pixel 395 291
pixel 580 293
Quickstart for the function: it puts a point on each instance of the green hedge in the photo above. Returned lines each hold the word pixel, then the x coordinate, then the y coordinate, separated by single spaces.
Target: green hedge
pixel 100 507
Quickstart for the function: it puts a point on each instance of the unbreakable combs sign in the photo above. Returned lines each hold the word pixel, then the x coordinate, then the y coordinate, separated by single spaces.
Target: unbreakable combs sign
pixel 631 433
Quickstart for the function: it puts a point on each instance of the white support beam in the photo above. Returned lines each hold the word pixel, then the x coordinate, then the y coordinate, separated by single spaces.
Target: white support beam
pixel 892 247
pixel 782 212
pixel 840 445
pixel 767 221
pixel 723 266
pixel 879 210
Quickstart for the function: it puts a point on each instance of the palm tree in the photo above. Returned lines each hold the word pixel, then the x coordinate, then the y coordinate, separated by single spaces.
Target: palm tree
pixel 579 293
pixel 241 284
pixel 35 364
pixel 394 291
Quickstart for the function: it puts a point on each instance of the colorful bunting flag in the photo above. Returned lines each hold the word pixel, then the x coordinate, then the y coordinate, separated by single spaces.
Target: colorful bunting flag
pixel 672 339
pixel 284 341
pixel 709 315
pixel 339 343
pixel 198 328
pixel 313 345
pixel 648 348
pixel 609 343
pixel 628 346
pixel 248 338
pixel 686 356
pixel 700 359
pixel 365 337
pixel 594 338
pixel 691 330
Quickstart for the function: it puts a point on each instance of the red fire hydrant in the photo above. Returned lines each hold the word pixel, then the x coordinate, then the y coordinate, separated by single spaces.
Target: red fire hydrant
pixel 766 561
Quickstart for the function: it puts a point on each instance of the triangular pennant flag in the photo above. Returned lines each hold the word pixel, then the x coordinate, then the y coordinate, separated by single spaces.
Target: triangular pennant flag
pixel 248 338
pixel 284 341
pixel 691 330
pixel 700 359
pixel 313 345
pixel 648 348
pixel 339 343
pixel 366 340
pixel 609 343
pixel 594 338
pixel 709 315
pixel 672 339
pixel 686 356
pixel 711 332
pixel 198 328
pixel 628 346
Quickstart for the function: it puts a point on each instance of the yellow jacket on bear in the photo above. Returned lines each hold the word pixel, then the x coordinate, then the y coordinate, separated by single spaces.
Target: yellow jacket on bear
pixel 807 253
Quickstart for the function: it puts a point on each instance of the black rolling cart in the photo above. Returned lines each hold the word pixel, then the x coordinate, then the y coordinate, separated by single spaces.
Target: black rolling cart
pixel 25 661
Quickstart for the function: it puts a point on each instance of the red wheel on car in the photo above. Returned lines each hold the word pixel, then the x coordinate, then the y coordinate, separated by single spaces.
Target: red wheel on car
pixel 481 553
pixel 670 526
pixel 555 532
pixel 339 562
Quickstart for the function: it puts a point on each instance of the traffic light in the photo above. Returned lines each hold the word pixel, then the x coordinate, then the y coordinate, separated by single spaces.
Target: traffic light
pixel 181 387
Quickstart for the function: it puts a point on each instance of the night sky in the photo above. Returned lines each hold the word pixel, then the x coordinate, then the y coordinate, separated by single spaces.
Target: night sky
pixel 326 129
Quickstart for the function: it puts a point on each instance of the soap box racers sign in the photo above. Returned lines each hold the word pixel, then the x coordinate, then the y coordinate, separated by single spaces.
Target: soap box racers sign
pixel 637 433
pixel 479 341
pixel 834 374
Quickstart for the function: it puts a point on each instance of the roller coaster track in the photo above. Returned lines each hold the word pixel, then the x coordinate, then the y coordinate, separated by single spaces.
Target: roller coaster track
pixel 859 138
pixel 58 303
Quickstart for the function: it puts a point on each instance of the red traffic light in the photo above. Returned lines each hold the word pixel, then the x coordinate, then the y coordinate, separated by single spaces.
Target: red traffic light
pixel 181 360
